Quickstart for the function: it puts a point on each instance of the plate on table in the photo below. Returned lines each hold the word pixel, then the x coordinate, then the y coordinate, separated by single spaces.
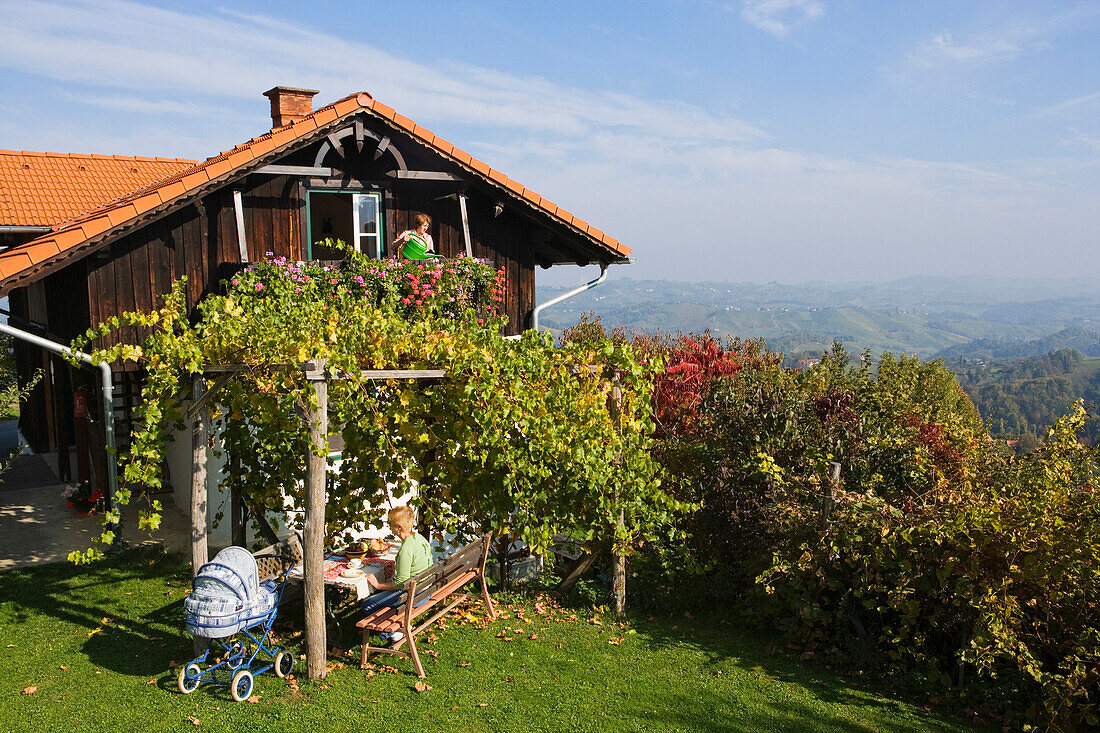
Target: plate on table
pixel 352 573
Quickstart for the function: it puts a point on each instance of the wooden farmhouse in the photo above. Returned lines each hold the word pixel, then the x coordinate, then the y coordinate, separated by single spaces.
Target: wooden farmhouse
pixel 87 237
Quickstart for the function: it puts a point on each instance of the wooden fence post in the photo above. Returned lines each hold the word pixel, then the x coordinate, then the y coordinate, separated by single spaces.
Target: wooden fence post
pixel 314 536
pixel 618 570
pixel 199 549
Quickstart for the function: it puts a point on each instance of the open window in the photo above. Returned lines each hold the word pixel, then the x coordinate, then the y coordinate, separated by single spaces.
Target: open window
pixel 355 218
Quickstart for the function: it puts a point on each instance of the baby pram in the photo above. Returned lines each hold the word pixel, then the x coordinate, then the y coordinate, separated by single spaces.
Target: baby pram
pixel 228 605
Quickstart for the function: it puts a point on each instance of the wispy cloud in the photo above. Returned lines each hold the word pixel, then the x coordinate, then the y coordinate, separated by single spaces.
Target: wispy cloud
pixel 1083 141
pixel 943 49
pixel 1085 99
pixel 194 60
pixel 778 17
pixel 1000 43
pixel 137 105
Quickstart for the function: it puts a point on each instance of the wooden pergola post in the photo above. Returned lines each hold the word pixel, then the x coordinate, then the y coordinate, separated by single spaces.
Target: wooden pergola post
pixel 313 551
pixel 618 568
pixel 199 550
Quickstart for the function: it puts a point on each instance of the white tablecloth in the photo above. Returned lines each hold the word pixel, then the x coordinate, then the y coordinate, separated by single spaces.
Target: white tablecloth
pixel 360 585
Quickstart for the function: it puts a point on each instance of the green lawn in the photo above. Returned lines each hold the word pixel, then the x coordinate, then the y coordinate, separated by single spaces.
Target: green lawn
pixel 98 645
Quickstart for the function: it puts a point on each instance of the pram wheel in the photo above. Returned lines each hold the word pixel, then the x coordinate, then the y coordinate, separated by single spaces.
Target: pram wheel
pixel 188 680
pixel 241 686
pixel 284 662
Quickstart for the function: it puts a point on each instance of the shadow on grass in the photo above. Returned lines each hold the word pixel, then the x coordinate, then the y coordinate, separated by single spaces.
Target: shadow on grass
pixel 728 646
pixel 93 599
pixel 776 716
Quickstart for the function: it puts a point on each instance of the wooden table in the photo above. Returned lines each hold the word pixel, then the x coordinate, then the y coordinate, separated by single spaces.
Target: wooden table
pixel 339 589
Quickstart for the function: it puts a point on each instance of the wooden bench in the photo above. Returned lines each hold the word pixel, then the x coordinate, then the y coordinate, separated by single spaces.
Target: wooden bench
pixel 436 589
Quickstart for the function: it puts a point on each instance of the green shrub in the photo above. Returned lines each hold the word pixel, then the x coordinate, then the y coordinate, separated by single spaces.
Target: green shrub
pixel 938 559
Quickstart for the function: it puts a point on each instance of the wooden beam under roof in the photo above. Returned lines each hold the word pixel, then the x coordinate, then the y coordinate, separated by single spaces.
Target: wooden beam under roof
pixel 298 170
pixel 425 176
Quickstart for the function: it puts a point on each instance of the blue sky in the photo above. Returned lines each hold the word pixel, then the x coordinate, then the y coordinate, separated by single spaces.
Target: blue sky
pixel 785 140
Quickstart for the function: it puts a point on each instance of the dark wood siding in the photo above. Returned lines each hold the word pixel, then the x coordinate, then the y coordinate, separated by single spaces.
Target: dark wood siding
pixel 55 308
pixel 135 272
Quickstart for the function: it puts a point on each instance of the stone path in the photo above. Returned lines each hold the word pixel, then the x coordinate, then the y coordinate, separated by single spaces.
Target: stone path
pixel 37 527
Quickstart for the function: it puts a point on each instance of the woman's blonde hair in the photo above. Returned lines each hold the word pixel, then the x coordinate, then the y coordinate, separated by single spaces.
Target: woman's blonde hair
pixel 404 517
pixel 421 219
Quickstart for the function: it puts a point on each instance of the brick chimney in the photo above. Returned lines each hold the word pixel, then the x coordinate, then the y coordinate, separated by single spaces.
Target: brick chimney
pixel 289 104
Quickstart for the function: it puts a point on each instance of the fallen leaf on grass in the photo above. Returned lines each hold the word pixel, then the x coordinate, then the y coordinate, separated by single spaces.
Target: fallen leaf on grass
pixel 194 720
pixel 421 686
pixel 532 637
pixel 502 634
pixel 463 664
pixel 30 690
pixel 150 682
pixel 454 707
pixel 324 687
pixel 615 641
pixel 387 668
pixel 518 631
pixel 63 668
pixel 483 704
pixel 93 632
pixel 254 699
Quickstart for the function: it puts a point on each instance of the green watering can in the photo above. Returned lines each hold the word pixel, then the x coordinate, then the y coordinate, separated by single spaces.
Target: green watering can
pixel 416 248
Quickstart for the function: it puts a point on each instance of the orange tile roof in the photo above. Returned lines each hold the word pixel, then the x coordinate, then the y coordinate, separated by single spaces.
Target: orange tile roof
pixel 21 262
pixel 44 189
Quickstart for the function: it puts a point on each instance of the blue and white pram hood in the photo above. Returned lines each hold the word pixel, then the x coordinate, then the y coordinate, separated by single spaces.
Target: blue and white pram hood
pixel 226 596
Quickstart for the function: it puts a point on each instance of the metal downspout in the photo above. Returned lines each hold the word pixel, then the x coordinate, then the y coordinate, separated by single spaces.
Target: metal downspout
pixel 108 399
pixel 566 296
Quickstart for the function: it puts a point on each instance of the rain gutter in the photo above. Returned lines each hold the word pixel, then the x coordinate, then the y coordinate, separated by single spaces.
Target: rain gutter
pixel 566 296
pixel 108 398
pixel 17 229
